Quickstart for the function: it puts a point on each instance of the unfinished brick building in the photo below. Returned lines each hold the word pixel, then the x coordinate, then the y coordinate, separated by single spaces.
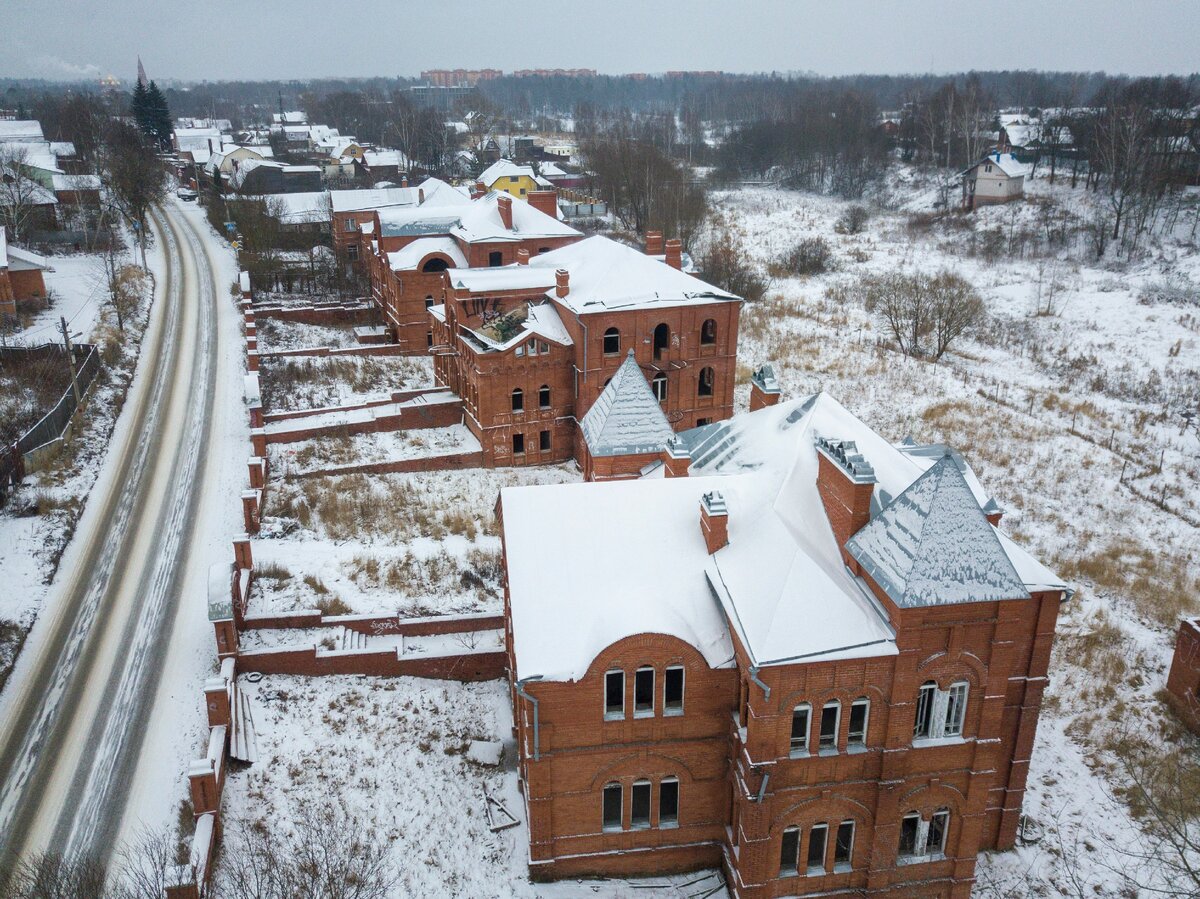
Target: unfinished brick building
pixel 530 347
pixel 807 657
pixel 410 247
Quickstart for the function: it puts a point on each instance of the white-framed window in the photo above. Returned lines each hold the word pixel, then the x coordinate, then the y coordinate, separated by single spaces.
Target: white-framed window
pixel 612 342
pixel 920 839
pixel 818 837
pixel 531 346
pixel 614 695
pixel 673 690
pixel 668 802
pixel 831 718
pixel 789 852
pixel 639 805
pixel 351 224
pixel 612 806
pixel 659 385
pixel 941 713
pixel 860 713
pixel 843 849
pixel 801 725
pixel 643 692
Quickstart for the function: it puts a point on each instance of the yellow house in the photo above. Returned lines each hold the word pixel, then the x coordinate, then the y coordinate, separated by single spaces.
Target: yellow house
pixel 513 179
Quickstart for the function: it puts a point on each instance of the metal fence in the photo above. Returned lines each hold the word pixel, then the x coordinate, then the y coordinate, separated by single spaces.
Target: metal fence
pixel 53 423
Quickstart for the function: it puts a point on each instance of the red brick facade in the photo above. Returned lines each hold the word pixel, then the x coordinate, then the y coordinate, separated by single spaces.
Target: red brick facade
pixel 1183 682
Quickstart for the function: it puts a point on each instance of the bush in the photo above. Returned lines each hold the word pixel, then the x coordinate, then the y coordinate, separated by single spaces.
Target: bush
pixel 811 256
pixel 923 314
pixel 724 263
pixel 853 220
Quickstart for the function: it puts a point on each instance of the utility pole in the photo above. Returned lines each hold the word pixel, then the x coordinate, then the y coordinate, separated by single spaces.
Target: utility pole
pixel 70 361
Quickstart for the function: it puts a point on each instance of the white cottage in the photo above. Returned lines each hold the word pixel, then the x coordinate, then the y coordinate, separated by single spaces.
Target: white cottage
pixel 997 178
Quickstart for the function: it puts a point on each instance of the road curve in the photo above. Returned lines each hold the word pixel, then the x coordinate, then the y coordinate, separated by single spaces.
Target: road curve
pixel 74 719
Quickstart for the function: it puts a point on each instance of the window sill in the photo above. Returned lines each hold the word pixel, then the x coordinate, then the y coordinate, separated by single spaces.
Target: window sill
pixel 842 868
pixel 856 749
pixel 920 859
pixel 668 825
pixel 644 714
pixel 827 753
pixel 815 872
pixel 673 713
pixel 611 828
pixel 922 742
pixel 788 872
pixel 799 754
pixel 614 716
pixel 645 826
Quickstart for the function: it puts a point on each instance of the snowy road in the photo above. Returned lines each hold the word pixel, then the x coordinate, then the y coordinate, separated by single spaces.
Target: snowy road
pixel 79 706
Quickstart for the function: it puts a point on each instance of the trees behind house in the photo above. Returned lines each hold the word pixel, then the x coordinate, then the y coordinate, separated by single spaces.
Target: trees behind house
pixel 923 314
pixel 135 177
pixel 644 187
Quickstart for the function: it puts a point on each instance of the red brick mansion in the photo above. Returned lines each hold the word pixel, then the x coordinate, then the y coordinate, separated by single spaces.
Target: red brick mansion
pixel 787 648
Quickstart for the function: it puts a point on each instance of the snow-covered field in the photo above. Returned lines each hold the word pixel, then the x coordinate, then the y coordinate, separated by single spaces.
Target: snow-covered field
pixel 292 383
pixel 1072 418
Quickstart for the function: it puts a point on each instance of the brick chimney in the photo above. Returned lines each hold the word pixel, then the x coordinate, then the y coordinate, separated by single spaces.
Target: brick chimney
pixel 522 256
pixel 420 196
pixel 478 190
pixel 846 482
pixel 676 458
pixel 674 253
pixel 404 180
pixel 562 284
pixel 714 521
pixel 504 205
pixel 654 243
pixel 764 388
pixel 544 201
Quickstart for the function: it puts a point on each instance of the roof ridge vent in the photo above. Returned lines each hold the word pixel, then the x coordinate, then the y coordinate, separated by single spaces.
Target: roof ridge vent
pixel 845 453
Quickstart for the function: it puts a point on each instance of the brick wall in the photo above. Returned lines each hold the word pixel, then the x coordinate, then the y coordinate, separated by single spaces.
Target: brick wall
pixel 467 667
pixel 1183 681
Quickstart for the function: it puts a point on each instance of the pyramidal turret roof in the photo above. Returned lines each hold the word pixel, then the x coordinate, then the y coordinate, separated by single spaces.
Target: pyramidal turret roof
pixel 932 545
pixel 626 418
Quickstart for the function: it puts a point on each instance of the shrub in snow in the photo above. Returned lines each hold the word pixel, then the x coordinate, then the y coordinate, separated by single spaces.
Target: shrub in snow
pixel 725 263
pixel 853 220
pixel 923 314
pixel 810 256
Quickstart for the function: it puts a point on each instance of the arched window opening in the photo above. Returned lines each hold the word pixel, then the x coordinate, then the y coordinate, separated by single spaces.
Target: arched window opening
pixel 518 400
pixel 662 340
pixel 708 332
pixel 831 717
pixel 612 342
pixel 707 380
pixel 435 264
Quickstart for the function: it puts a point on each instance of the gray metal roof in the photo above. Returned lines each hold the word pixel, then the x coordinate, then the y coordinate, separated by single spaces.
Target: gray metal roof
pixel 932 545
pixel 626 418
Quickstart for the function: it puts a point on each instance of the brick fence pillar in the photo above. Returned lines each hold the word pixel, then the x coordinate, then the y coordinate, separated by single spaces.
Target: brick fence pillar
pixel 258 441
pixel 250 511
pixel 243 558
pixel 256 468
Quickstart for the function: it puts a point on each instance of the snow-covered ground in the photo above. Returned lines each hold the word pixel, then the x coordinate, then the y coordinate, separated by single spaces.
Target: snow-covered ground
pixel 291 384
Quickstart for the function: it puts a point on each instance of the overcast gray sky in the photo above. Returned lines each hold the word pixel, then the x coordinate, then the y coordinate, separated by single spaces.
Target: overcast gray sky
pixel 68 39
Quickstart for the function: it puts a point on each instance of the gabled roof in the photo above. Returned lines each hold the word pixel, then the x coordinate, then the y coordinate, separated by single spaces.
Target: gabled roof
pixel 481 221
pixel 626 418
pixel 19 260
pixel 375 198
pixel 933 546
pixel 21 130
pixel 1006 162
pixel 504 168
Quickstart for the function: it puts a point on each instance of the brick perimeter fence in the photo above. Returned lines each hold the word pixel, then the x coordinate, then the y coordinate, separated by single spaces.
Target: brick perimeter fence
pixel 466 666
pixel 340 314
pixel 449 462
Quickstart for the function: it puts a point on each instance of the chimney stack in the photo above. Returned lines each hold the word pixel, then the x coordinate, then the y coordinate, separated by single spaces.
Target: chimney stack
pixel 522 256
pixel 654 243
pixel 676 458
pixel 562 283
pixel 674 253
pixel 714 521
pixel 504 205
pixel 544 201
pixel 764 388
pixel 479 190
pixel 846 482
pixel 404 180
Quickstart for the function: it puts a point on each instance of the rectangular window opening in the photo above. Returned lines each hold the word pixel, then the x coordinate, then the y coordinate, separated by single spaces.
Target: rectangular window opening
pixel 830 716
pixel 614 694
pixel 816 849
pixel 908 835
pixel 858 722
pixel 518 444
pixel 612 807
pixel 639 804
pixel 643 692
pixel 844 848
pixel 935 839
pixel 800 728
pixel 789 851
pixel 673 691
pixel 668 802
pixel 544 441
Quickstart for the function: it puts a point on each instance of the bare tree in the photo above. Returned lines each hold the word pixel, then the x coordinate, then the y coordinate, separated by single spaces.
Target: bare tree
pixel 20 195
pixel 923 314
pixel 49 875
pixel 954 308
pixel 135 176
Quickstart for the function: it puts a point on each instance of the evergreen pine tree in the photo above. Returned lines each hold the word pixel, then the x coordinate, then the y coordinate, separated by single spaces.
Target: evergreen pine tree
pixel 159 117
pixel 139 108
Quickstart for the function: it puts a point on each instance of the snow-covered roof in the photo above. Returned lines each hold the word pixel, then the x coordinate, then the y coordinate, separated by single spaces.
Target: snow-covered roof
pixel 301 208
pixel 608 275
pixel 932 545
pixel 1006 162
pixel 18 260
pixel 553 170
pixel 61 147
pixel 385 158
pixel 504 168
pixel 32 194
pixel 361 200
pixel 480 221
pixel 76 182
pixel 590 564
pixel 408 257
pixel 502 278
pixel 20 130
pixel 541 320
pixel 626 418
pixel 289 117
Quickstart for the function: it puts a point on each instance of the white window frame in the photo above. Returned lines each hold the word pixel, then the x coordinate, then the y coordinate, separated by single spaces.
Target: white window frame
pixel 940 849
pixel 644 713
pixel 918 838
pixel 789 867
pixel 675 710
pixel 801 751
pixel 848 864
pixel 922 852
pixel 947 712
pixel 817 870
pixel 822 749
pixel 929 688
pixel 859 744
pixel 956 709
pixel 611 715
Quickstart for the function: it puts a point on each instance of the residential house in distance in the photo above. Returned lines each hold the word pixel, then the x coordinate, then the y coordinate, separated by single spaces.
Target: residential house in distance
pixel 20 275
pixel 792 650
pixel 411 247
pixel 267 176
pixel 532 347
pixel 997 178
pixel 516 180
